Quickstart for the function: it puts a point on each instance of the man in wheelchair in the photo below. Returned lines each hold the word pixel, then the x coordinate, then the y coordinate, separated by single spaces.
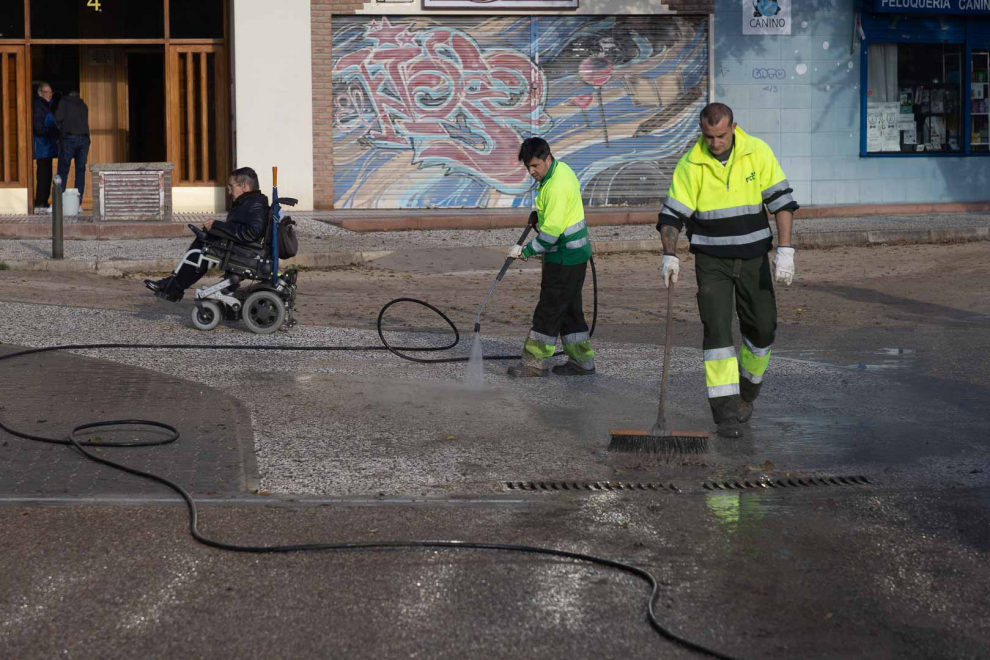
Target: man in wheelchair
pixel 245 248
pixel 245 225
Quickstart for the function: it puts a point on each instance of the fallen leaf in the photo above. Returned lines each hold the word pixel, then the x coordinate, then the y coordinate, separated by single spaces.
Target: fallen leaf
pixel 451 437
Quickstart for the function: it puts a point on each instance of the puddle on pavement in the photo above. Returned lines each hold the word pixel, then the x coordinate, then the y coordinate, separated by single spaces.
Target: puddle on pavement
pixel 883 359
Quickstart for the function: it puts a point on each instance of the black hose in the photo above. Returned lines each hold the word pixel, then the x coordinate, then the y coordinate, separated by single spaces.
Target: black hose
pixel 457 336
pixel 369 545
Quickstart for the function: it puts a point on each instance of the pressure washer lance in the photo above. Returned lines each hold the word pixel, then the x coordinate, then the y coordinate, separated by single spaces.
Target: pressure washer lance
pixel 501 273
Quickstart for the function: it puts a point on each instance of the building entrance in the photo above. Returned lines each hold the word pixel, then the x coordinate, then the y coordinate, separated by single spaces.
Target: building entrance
pixel 153 74
pixel 124 87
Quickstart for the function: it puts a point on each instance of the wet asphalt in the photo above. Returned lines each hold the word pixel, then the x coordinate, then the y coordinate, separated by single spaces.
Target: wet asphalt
pixel 852 520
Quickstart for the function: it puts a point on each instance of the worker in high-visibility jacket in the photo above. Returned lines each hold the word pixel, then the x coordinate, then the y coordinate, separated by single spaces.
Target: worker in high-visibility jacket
pixel 719 191
pixel 564 244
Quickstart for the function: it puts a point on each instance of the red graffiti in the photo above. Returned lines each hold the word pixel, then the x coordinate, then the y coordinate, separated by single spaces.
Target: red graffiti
pixel 438 93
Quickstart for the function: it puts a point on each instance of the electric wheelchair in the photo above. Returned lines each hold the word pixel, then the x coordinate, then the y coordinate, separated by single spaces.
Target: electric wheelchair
pixel 266 302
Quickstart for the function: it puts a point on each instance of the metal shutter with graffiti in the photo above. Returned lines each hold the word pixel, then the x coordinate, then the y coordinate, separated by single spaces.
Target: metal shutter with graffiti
pixel 429 111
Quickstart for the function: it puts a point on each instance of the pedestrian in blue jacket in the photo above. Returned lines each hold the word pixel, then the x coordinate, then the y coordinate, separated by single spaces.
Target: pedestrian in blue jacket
pixel 45 146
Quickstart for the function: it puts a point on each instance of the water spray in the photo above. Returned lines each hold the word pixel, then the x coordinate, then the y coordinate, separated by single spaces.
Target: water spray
pixel 498 278
pixel 476 368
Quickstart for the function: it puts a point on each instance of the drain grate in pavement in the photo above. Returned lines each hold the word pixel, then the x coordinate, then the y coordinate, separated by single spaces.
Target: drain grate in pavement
pixel 790 482
pixel 588 485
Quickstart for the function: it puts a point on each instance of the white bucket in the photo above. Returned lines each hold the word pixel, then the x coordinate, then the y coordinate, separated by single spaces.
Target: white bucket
pixel 70 202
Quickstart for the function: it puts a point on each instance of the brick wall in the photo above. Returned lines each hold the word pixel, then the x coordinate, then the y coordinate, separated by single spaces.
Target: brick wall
pixel 322 12
pixel 322 36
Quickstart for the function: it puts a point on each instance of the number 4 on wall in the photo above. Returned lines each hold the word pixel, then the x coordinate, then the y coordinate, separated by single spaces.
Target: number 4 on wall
pixel 95 4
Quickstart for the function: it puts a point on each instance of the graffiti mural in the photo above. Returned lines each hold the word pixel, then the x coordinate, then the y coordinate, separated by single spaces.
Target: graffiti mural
pixel 431 114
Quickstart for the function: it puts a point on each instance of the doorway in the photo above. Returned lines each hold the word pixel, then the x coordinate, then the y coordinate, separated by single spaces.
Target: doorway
pixel 146 105
pixel 124 88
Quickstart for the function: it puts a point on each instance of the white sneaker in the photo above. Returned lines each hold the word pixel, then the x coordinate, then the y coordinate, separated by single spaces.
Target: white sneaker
pixel 43 210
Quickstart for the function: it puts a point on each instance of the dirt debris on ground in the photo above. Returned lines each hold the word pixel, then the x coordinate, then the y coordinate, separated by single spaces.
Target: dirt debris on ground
pixel 889 286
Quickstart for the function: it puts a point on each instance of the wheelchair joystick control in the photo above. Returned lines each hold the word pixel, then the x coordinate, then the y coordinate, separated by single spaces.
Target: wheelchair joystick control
pixel 196 230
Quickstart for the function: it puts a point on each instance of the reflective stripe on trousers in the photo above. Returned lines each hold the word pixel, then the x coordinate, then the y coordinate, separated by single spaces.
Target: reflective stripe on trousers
pixel 580 351
pixel 536 353
pixel 721 372
pixel 753 361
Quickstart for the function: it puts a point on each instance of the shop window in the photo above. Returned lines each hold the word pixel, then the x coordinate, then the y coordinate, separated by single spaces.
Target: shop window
pixel 979 118
pixel 914 98
pixel 11 19
pixel 195 19
pixel 97 19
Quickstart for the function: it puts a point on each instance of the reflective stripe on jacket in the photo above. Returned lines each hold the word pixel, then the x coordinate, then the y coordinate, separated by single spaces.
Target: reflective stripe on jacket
pixel 722 205
pixel 563 234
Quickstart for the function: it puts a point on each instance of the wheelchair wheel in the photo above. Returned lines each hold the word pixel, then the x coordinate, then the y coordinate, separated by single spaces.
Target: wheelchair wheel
pixel 263 312
pixel 206 315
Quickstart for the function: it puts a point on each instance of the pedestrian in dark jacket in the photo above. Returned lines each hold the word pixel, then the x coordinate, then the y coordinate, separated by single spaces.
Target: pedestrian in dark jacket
pixel 246 222
pixel 73 124
pixel 45 145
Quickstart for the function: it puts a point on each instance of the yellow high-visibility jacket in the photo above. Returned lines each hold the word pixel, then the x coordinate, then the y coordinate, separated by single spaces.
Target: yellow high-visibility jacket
pixel 563 237
pixel 722 205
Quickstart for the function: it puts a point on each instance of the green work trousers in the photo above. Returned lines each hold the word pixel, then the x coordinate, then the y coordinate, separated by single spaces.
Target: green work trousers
pixel 748 284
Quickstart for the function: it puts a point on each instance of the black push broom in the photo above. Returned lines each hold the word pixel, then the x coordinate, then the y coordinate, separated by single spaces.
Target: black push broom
pixel 660 440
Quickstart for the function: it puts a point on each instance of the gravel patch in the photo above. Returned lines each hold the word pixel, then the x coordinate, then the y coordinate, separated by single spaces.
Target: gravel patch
pixel 364 422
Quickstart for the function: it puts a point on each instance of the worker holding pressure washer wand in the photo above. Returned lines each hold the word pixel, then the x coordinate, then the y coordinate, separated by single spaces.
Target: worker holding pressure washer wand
pixel 564 244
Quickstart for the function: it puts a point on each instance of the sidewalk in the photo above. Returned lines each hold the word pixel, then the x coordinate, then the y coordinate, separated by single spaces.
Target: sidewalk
pixel 325 240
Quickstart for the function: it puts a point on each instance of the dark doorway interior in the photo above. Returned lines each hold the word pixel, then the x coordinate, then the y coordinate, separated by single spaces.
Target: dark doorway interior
pixel 56 65
pixel 146 104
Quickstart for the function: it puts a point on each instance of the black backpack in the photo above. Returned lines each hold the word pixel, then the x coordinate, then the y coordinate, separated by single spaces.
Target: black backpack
pixel 288 242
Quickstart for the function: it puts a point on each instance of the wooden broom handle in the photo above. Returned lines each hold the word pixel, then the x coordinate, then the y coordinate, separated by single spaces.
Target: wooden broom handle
pixel 666 349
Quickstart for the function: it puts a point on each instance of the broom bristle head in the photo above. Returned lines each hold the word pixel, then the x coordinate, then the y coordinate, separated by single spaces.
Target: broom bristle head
pixel 644 443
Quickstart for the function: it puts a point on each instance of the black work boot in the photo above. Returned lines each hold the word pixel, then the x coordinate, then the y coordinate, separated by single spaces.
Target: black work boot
pixel 572 368
pixel 730 428
pixel 523 370
pixel 725 411
pixel 745 411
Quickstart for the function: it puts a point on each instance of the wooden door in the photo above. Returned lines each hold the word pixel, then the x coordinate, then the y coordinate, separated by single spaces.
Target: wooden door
pixel 15 120
pixel 103 86
pixel 198 120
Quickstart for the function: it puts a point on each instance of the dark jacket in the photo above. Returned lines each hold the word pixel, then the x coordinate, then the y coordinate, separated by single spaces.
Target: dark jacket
pixel 45 130
pixel 72 116
pixel 247 219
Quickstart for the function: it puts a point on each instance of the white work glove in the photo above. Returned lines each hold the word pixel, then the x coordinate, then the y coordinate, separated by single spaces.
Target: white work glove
pixel 669 269
pixel 515 252
pixel 783 265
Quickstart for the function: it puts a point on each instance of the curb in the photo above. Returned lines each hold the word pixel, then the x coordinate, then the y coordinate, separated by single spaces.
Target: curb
pixel 118 267
pixel 483 220
pixel 96 232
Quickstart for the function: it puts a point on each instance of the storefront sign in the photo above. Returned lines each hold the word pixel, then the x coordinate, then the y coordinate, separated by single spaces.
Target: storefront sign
pixel 488 5
pixel 969 7
pixel 767 16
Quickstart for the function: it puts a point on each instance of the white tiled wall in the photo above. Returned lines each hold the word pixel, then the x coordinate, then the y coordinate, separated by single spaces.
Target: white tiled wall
pixel 810 116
